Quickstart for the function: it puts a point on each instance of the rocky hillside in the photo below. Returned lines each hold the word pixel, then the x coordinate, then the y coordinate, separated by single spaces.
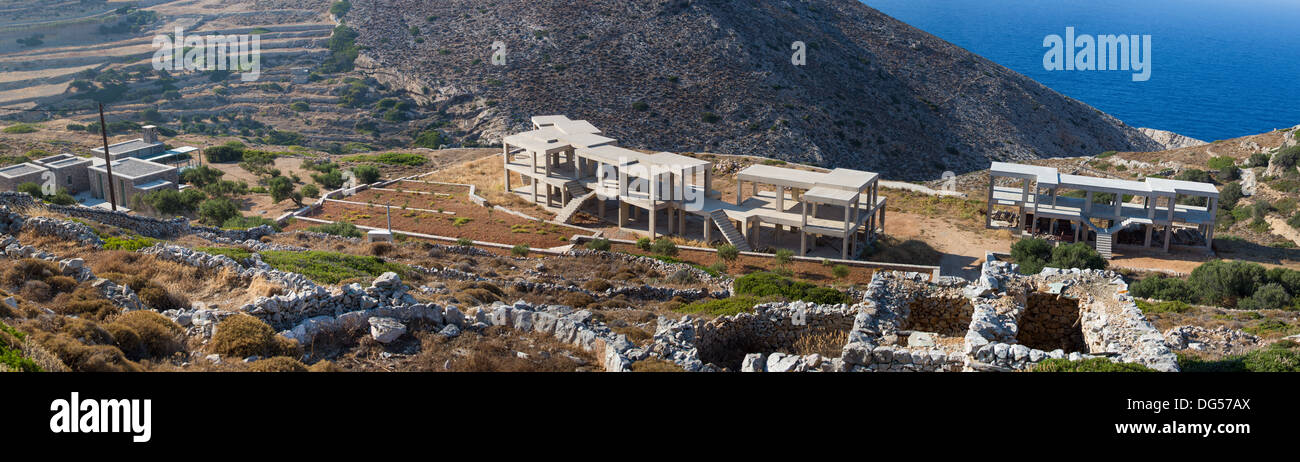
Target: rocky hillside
pixel 713 75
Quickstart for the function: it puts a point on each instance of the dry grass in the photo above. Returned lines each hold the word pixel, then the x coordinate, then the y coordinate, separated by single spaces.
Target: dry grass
pixel 486 175
pixel 497 349
pixel 828 343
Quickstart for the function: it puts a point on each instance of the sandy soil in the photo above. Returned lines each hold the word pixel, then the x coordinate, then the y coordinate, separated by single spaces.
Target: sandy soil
pixel 963 246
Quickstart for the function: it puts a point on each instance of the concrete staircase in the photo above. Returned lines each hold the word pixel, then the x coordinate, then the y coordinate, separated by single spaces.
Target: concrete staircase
pixel 578 196
pixel 1104 244
pixel 729 232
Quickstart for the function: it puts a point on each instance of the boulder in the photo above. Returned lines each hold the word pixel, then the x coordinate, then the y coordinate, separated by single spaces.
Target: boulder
pixel 385 330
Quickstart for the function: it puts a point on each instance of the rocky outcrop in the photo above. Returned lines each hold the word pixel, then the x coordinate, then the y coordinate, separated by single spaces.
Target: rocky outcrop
pixel 1170 140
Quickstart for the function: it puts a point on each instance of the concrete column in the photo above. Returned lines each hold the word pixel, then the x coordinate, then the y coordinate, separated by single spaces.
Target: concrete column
pixel 1087 203
pixel 1169 236
pixel 740 190
pixel 1147 241
pixel 803 234
pixel 988 217
pixel 780 198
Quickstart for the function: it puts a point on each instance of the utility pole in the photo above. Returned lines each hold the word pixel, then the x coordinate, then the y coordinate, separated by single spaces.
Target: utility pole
pixel 108 159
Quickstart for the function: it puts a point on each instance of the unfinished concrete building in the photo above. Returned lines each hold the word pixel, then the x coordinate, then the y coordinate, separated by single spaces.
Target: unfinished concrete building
pixel 569 164
pixel 1104 212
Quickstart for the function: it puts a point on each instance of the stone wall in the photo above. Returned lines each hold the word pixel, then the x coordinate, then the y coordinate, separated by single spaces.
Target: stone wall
pixel 773 327
pixel 1051 322
pixel 144 226
pixel 948 316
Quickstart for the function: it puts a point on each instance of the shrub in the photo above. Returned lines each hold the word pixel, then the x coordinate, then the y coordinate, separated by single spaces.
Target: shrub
pixel 716 269
pixel 1220 282
pixel 664 246
pixel 1230 195
pixel 464 242
pixel 735 304
pixel 391 158
pixel 1077 255
pixel 520 250
pixel 300 106
pixel 1088 365
pixel 330 267
pixel 1287 158
pixel 596 285
pixel 281 188
pixel 683 276
pixel 341 228
pixel 171 201
pixel 238 254
pixel 1161 287
pixel 159 298
pixel 330 180
pixel 728 252
pixel 130 243
pixel 156 336
pixel 764 284
pixel 366 174
pixel 201 176
pixel 783 257
pixel 20 128
pixel 225 153
pixel 1163 307
pixel 277 364
pixel 242 222
pixel 310 190
pixel 1031 254
pixel 11 348
pixel 1271 296
pixel 61 198
pixel 1259 159
pixel 840 271
pixel 241 336
pixel 644 243
pixel 431 139
pixel 31 189
pixel 217 211
pixel 600 244
pixel 1221 162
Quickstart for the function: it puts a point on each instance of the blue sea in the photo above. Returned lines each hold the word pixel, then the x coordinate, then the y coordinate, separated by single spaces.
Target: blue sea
pixel 1220 69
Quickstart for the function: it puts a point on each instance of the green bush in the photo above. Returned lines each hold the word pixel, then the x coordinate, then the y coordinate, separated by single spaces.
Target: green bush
pixel 1230 195
pixel 225 153
pixel 242 222
pixel 1221 162
pixel 520 250
pixel 1031 254
pixel 1287 158
pixel 664 247
pixel 600 244
pixel 728 252
pixel 217 211
pixel 464 242
pixel 330 267
pixel 1163 307
pixel 1222 283
pixel 840 271
pixel 783 257
pixel 201 176
pixel 1259 159
pixel 723 307
pixel 11 350
pixel 1162 287
pixel 31 189
pixel 1271 296
pixel 330 180
pixel 431 139
pixel 366 174
pixel 171 201
pixel 644 243
pixel 310 190
pixel 1077 255
pixel 767 284
pixel 391 158
pixel 1283 356
pixel 341 228
pixel 20 128
pixel 130 243
pixel 1088 365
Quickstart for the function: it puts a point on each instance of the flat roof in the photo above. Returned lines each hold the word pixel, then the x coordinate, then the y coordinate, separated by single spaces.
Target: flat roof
pixel 127 146
pixel 68 161
pixel 155 184
pixel 17 170
pixel 1050 178
pixel 132 168
pixel 832 196
pixel 840 178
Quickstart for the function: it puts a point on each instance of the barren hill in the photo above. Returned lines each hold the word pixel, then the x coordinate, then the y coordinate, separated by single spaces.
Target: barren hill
pixel 717 76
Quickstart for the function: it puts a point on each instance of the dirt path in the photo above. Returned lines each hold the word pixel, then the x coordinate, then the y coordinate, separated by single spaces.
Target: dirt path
pixel 963 245
pixel 1279 227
